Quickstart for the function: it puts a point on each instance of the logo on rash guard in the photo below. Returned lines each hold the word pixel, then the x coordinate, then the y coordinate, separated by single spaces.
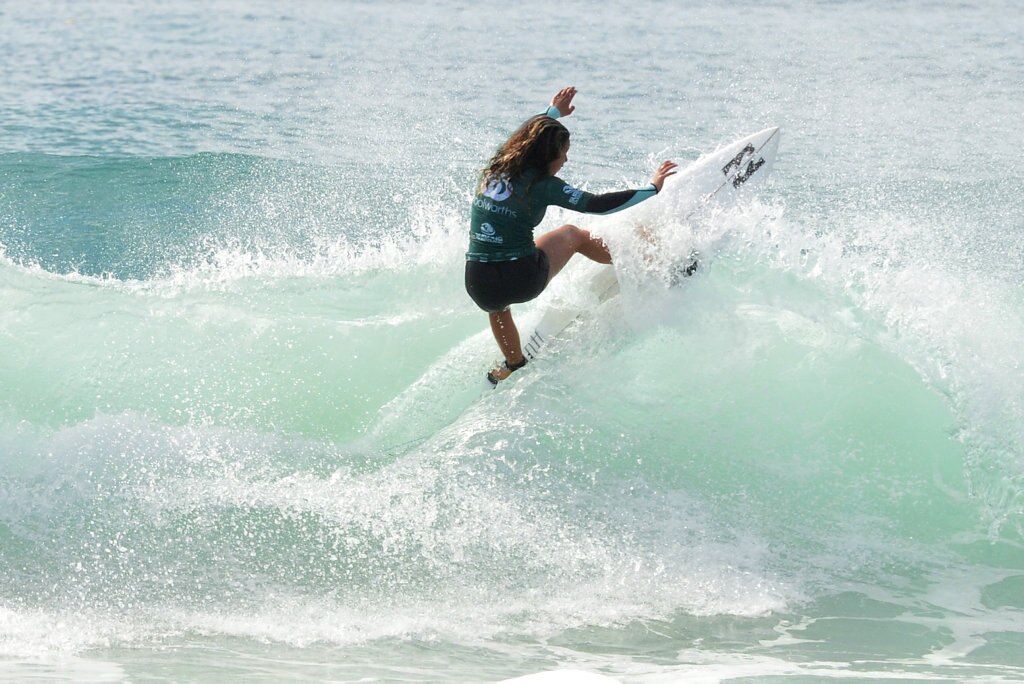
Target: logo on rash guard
pixel 498 189
pixel 573 193
pixel 486 234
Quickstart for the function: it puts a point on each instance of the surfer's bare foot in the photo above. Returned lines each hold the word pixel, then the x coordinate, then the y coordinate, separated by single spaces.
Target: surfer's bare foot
pixel 498 374
pixel 504 370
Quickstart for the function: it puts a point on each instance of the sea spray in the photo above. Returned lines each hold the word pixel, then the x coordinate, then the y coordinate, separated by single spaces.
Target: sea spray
pixel 240 434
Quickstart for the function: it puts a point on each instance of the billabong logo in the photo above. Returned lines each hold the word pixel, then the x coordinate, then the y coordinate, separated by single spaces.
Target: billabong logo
pixel 498 189
pixel 736 163
pixel 573 193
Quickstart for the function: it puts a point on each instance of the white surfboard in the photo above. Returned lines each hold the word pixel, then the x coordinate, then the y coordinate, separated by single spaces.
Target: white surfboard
pixel 718 178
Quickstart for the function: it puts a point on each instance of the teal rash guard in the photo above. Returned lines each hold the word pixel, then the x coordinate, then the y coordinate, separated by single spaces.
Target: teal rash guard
pixel 506 210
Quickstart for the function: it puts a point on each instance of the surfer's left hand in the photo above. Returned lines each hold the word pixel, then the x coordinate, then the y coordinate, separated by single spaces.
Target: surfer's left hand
pixel 562 101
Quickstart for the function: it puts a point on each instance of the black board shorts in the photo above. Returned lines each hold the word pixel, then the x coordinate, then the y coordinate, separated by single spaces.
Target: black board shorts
pixel 494 285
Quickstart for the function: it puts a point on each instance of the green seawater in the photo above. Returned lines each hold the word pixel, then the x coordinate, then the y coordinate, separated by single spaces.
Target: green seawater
pixel 243 434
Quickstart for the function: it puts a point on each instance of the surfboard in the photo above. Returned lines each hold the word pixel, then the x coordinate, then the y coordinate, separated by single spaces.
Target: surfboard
pixel 719 178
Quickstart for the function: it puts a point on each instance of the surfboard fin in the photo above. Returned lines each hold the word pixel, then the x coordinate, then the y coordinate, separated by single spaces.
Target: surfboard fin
pixel 684 270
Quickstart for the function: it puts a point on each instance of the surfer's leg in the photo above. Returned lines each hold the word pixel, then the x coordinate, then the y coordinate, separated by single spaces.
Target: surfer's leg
pixel 507 336
pixel 562 242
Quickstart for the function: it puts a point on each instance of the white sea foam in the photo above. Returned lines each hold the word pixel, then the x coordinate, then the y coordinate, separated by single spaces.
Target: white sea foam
pixel 236 437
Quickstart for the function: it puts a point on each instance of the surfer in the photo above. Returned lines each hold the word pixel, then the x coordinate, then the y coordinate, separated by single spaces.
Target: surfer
pixel 504 265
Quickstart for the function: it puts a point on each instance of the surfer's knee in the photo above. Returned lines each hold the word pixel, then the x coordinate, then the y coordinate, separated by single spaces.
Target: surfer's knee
pixel 590 246
pixel 577 236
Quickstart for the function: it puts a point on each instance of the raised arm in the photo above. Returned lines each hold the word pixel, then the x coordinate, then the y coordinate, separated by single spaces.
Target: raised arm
pixel 561 103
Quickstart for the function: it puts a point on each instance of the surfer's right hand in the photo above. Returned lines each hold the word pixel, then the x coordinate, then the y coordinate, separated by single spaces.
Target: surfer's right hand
pixel 667 168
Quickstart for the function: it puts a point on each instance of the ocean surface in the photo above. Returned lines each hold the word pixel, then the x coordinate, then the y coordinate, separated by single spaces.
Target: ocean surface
pixel 243 435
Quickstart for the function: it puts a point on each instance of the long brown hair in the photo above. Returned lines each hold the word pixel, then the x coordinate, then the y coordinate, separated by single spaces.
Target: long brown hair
pixel 537 143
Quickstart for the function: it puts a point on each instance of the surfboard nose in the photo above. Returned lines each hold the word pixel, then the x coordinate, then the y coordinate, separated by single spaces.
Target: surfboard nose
pixel 769 140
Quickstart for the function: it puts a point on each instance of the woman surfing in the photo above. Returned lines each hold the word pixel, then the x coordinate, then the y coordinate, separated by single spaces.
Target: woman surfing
pixel 504 264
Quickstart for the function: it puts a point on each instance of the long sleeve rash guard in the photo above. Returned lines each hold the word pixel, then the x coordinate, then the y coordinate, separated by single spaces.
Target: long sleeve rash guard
pixel 506 211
